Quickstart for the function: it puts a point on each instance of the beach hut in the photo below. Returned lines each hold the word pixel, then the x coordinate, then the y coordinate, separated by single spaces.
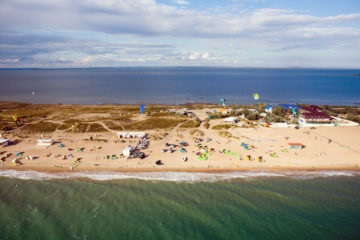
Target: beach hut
pixel 4 142
pixel 45 142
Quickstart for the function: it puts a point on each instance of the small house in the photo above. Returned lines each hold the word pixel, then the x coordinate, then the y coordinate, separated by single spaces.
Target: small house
pixel 45 142
pixel 4 142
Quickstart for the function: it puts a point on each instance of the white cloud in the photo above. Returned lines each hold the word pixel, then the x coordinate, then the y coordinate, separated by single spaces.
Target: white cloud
pixel 181 2
pixel 108 31
pixel 197 56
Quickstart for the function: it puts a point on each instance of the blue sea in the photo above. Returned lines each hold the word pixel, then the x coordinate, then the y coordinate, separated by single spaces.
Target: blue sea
pixel 239 205
pixel 178 85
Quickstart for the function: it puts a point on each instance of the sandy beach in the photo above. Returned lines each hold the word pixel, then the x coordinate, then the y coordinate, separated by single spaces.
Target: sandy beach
pixel 241 149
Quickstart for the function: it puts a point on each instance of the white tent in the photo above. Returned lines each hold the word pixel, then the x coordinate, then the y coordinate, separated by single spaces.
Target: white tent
pixel 231 119
pixel 44 142
pixel 4 142
pixel 127 151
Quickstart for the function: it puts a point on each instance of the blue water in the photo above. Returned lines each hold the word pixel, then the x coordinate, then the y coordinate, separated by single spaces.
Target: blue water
pixel 177 85
pixel 304 206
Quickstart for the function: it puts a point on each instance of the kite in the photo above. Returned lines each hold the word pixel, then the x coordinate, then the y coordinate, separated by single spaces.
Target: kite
pixel 256 96
pixel 17 120
pixel 222 100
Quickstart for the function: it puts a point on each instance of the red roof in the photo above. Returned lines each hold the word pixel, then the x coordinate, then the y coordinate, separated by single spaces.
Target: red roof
pixel 296 144
pixel 313 112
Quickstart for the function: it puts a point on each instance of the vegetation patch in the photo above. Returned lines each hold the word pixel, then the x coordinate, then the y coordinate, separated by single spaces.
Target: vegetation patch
pixel 190 124
pixel 197 132
pixel 96 127
pixel 153 123
pixel 12 105
pixel 65 126
pixel 114 126
pixel 40 127
pixel 80 127
pixel 162 114
pixel 225 134
pixel 206 124
pixel 222 127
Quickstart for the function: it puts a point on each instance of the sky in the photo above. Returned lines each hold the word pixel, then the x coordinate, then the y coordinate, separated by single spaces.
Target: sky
pixel 229 33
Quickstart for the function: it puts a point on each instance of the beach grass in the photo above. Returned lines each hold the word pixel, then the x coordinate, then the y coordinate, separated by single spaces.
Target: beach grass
pixel 190 124
pixel 40 127
pixel 154 123
pixel 96 127
pixel 222 127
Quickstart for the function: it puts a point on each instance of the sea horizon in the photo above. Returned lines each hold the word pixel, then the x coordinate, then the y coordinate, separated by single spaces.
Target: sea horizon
pixel 179 85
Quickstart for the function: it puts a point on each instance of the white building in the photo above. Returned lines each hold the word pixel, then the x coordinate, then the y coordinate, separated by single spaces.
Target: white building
pixel 4 142
pixel 45 142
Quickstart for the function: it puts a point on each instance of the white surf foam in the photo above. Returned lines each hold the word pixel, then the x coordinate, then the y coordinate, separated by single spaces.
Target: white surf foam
pixel 174 176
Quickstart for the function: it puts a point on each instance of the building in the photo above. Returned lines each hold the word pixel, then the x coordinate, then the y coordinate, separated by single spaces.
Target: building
pixel 131 134
pixel 44 142
pixel 4 142
pixel 313 114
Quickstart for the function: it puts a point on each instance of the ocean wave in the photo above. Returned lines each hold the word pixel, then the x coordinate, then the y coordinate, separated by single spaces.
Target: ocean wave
pixel 174 176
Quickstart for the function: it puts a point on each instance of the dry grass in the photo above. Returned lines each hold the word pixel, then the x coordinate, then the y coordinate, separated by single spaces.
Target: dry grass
pixel 80 128
pixel 153 123
pixel 65 126
pixel 12 105
pixel 96 127
pixel 162 114
pixel 40 127
pixel 225 134
pixel 197 133
pixel 190 124
pixel 114 126
pixel 222 127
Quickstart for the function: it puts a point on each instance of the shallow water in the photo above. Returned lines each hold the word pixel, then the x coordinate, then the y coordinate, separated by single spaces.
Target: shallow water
pixel 323 205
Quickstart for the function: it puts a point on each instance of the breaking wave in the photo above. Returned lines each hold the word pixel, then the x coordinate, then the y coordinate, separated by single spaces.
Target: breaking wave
pixel 174 176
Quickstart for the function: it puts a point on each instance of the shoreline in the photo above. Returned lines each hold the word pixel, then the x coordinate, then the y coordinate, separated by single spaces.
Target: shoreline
pixel 89 142
pixel 176 176
pixel 184 170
